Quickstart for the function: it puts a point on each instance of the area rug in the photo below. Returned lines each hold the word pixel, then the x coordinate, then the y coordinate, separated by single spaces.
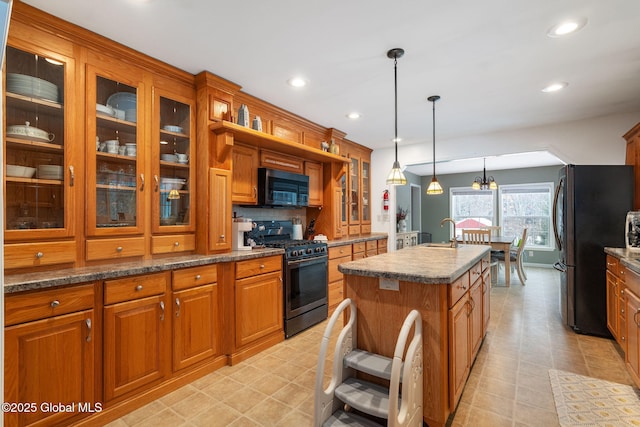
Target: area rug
pixel 586 401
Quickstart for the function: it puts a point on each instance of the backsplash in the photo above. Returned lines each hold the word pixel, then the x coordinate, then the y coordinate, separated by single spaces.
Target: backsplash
pixel 262 214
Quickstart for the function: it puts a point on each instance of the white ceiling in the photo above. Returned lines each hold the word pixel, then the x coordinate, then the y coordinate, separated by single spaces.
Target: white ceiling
pixel 488 60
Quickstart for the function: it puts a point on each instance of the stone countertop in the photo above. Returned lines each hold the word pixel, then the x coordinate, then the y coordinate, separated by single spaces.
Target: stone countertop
pixel 420 264
pixel 70 276
pixel 629 259
pixel 356 239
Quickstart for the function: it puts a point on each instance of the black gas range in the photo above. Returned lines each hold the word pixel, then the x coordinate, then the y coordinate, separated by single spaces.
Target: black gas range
pixel 305 276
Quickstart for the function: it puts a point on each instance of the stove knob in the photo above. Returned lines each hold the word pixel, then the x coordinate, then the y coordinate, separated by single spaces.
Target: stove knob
pixel 294 253
pixel 309 251
pixel 318 250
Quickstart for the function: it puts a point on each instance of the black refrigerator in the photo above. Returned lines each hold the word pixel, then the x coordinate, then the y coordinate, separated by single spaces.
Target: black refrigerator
pixel 589 213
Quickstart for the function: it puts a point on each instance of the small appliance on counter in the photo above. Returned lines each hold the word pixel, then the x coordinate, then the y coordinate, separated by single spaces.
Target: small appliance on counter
pixel 297 229
pixel 239 227
pixel 632 231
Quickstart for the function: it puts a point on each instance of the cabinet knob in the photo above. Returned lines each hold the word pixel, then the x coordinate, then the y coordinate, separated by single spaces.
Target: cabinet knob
pixel 261 265
pixel 141 182
pixel 222 237
pixel 176 244
pixel 54 303
pixel 39 255
pixel 155 179
pixel 72 176
pixel 622 291
pixel 119 249
pixel 198 277
pixel 139 288
pixel 88 323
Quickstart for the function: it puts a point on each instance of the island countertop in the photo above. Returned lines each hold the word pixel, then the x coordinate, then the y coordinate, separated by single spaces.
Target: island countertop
pixel 420 264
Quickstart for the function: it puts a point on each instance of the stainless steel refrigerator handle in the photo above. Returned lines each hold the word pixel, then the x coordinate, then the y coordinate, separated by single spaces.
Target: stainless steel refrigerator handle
pixel 555 215
pixel 560 267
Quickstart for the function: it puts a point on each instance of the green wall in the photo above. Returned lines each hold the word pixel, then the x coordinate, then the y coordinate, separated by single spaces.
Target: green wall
pixel 434 208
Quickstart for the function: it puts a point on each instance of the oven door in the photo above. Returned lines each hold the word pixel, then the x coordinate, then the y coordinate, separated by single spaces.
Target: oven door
pixel 305 286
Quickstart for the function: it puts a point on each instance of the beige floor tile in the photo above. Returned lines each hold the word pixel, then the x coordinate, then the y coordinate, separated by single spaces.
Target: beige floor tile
pixel 165 418
pixel 269 412
pixel 193 405
pixel 244 399
pixel 296 419
pixel 144 412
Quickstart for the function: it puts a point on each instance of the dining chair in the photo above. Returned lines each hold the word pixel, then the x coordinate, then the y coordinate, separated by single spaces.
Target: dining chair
pixel 515 257
pixel 476 237
pixel 495 229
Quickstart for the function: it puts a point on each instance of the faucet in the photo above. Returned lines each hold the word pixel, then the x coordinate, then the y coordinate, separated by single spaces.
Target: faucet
pixel 454 241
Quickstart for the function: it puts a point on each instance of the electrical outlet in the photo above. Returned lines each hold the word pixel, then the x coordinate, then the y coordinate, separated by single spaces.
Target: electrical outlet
pixel 530 253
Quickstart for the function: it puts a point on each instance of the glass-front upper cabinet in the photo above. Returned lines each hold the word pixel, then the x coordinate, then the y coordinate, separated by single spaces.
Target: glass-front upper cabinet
pixel 39 168
pixel 115 153
pixel 172 149
pixel 366 186
pixel 354 196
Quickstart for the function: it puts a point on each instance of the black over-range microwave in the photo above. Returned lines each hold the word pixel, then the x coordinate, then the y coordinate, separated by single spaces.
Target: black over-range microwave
pixel 279 188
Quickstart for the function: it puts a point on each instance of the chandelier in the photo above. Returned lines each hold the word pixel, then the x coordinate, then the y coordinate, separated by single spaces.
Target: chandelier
pixel 484 183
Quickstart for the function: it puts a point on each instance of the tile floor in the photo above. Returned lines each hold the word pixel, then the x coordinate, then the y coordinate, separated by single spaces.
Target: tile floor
pixel 508 385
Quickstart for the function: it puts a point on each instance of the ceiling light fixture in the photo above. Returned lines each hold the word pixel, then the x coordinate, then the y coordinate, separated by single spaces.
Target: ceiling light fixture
pixel 353 116
pixel 396 177
pixel 554 87
pixel 297 82
pixel 434 187
pixel 566 27
pixel 482 183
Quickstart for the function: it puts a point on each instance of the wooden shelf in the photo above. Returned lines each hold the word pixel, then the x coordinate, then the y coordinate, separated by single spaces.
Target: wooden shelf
pixel 27 144
pixel 265 140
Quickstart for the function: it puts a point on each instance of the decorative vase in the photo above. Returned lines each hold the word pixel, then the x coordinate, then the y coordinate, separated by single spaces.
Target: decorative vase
pixel 402 225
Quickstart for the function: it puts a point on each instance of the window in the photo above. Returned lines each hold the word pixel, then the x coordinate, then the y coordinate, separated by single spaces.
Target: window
pixel 472 208
pixel 527 206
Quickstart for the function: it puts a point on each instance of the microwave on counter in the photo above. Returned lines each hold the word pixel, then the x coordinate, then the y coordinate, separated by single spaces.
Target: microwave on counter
pixel 282 189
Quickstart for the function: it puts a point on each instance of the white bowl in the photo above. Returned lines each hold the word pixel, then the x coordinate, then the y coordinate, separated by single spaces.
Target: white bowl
pixel 172 128
pixel 169 158
pixel 122 101
pixel 172 183
pixel 50 172
pixel 20 171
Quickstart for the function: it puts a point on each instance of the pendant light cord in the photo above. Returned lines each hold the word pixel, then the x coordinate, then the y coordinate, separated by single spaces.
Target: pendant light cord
pixel 434 138
pixel 395 85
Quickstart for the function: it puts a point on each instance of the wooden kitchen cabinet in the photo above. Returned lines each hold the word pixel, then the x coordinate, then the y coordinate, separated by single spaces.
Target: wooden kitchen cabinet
pixel 357 185
pixel 337 256
pixel 197 317
pixel 172 156
pixel 244 180
pixel 42 151
pixel 137 334
pixel 49 353
pixel 314 171
pixel 258 299
pixel 616 309
pixel 219 209
pixel 633 158
pixel 632 355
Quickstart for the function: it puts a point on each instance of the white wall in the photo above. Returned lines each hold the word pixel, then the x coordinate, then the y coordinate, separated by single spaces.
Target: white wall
pixel 593 141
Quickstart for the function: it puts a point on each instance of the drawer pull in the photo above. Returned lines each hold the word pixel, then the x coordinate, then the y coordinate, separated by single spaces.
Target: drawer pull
pixel 198 277
pixel 155 179
pixel 139 288
pixel 39 255
pixel 176 244
pixel 54 303
pixel 141 182
pixel 161 310
pixel 177 307
pixel 88 322
pixel 119 249
pixel 72 176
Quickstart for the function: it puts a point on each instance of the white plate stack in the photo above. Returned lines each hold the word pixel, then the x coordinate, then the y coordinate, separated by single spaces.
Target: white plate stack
pixel 31 86
pixel 49 172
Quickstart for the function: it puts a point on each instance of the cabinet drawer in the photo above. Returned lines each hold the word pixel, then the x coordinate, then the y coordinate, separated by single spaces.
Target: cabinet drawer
pixel 195 276
pixel 336 293
pixel 486 261
pixel 359 247
pixel 135 287
pixel 334 274
pixel 365 229
pixel 340 251
pixel 173 243
pixel 612 264
pixel 354 230
pixel 25 307
pixel 371 244
pixel 256 266
pixel 115 248
pixel 382 246
pixel 21 255
pixel 458 288
pixel 475 272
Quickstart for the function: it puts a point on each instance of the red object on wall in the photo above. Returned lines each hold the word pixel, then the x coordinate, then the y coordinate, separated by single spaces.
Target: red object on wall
pixel 385 200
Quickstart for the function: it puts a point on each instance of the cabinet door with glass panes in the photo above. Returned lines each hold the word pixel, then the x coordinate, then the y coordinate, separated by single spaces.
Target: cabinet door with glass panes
pixel 354 196
pixel 365 188
pixel 40 161
pixel 173 165
pixel 115 152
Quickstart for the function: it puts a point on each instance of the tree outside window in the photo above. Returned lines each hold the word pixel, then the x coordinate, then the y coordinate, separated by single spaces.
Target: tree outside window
pixel 527 206
pixel 472 208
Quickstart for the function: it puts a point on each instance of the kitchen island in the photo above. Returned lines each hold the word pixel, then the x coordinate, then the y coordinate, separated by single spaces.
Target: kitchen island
pixel 450 289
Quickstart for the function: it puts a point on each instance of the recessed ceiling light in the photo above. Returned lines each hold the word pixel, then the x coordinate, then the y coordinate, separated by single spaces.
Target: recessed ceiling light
pixel 554 87
pixel 396 139
pixel 297 82
pixel 566 27
pixel 354 115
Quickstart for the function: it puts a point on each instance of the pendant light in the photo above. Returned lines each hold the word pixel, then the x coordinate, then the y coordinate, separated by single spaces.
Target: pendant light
pixel 396 177
pixel 482 182
pixel 434 186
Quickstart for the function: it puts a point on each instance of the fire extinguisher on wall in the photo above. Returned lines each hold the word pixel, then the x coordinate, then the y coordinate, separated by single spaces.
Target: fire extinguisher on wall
pixel 385 200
